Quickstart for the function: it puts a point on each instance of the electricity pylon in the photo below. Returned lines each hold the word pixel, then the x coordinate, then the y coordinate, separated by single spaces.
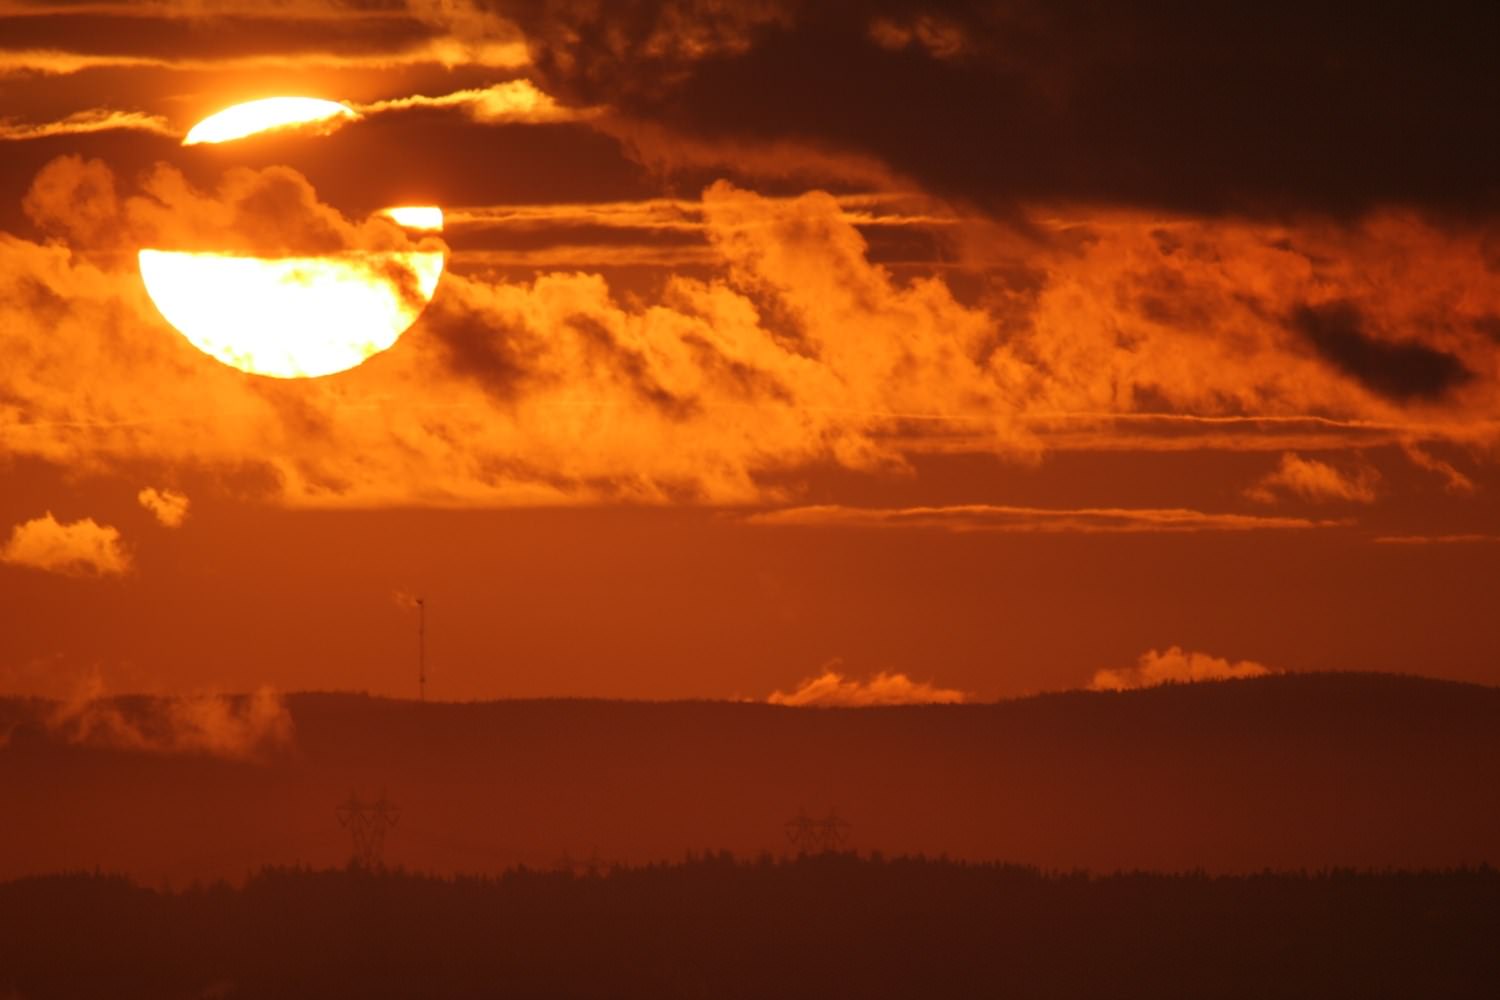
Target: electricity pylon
pixel 818 836
pixel 591 866
pixel 367 823
pixel 836 831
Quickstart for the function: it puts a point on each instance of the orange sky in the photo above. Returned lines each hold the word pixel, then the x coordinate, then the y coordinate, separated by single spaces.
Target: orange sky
pixel 989 344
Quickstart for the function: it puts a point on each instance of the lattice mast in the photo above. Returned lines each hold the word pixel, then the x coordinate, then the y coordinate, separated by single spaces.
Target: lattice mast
pixel 818 836
pixel 368 823
pixel 421 649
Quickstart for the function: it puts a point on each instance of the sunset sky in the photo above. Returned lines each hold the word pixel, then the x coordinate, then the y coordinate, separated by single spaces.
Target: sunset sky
pixel 959 350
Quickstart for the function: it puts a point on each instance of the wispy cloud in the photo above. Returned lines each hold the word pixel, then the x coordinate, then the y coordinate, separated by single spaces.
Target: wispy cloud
pixel 987 517
pixel 199 10
pixel 168 506
pixel 683 215
pixel 1454 481
pixel 446 52
pixel 833 689
pixel 83 123
pixel 1457 539
pixel 235 727
pixel 61 62
pixel 515 101
pixel 1175 666
pixel 1175 432
pixel 511 101
pixel 1312 480
pixel 73 548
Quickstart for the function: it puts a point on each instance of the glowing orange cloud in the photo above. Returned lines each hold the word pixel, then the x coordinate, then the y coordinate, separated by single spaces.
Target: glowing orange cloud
pixel 169 507
pixel 1175 666
pixel 1313 480
pixel 84 123
pixel 234 727
pixel 1042 520
pixel 832 689
pixel 795 351
pixel 71 548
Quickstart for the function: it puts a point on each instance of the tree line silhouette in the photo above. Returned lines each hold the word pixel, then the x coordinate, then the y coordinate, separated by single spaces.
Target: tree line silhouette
pixel 824 925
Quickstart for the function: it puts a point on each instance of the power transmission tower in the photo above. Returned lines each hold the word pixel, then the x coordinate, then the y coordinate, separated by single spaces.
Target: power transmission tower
pixel 802 832
pixel 591 866
pixel 835 831
pixel 818 836
pixel 367 823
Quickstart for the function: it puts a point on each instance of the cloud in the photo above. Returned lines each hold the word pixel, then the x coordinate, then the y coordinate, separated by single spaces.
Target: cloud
pixel 989 517
pixel 1165 432
pixel 1472 538
pixel 150 39
pixel 168 506
pixel 1175 666
pixel 1454 481
pixel 60 62
pixel 1310 479
pixel 269 212
pixel 1191 317
pixel 833 689
pixel 446 52
pixel 234 727
pixel 1058 100
pixel 74 548
pixel 514 101
pixel 788 350
pixel 196 10
pixel 1398 369
pixel 684 215
pixel 511 101
pixel 84 123
pixel 941 38
pixel 539 392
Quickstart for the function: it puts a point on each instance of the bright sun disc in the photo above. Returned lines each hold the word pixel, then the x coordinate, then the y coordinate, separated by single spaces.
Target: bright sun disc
pixel 427 218
pixel 291 317
pixel 269 113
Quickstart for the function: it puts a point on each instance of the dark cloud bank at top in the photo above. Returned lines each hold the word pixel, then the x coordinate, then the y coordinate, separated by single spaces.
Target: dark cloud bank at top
pixel 1204 108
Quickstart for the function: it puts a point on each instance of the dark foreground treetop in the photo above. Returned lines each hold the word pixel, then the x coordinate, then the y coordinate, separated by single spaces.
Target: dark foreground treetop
pixel 827 926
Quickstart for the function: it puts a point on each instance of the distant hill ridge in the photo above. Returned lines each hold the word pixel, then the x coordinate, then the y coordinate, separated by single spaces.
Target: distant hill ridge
pixel 1285 771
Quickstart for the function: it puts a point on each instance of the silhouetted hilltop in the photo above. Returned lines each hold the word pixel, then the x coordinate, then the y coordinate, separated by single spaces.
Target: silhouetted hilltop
pixel 823 926
pixel 1287 771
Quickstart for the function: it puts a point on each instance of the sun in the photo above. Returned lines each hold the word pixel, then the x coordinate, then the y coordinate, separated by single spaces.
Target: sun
pixel 292 317
pixel 267 114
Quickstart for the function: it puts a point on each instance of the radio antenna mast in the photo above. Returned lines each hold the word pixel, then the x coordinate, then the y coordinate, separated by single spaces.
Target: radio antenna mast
pixel 422 649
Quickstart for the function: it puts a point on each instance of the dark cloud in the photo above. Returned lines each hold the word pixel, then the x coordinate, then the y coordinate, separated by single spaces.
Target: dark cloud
pixel 1403 371
pixel 634 367
pixel 429 156
pixel 1200 107
pixel 352 33
pixel 273 211
pixel 494 355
